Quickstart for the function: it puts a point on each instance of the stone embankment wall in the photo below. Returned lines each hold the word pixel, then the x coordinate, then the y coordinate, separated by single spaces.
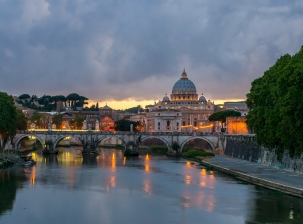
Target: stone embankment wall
pixel 246 148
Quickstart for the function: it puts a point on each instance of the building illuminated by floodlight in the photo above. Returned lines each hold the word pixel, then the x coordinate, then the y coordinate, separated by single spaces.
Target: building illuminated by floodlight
pixel 182 112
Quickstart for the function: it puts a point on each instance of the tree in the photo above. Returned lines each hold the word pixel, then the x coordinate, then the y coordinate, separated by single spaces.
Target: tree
pixel 81 101
pixel 275 101
pixel 222 115
pixel 33 98
pixel 24 96
pixel 72 98
pixel 57 120
pixel 36 118
pixel 124 125
pixel 21 120
pixel 77 122
pixel 8 115
pixel 45 120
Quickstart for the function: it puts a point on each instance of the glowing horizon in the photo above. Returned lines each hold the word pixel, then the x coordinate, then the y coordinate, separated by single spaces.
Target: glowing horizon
pixel 122 105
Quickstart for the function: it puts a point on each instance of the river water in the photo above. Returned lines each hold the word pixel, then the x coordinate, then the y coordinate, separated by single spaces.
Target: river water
pixel 108 188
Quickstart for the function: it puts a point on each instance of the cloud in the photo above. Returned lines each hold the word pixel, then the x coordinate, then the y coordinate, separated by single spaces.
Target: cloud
pixel 129 49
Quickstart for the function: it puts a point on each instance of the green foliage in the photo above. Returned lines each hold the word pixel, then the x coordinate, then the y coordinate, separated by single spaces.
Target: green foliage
pixel 275 100
pixel 77 122
pixel 36 118
pixel 8 115
pixel 124 125
pixel 24 96
pixel 195 154
pixel 21 120
pixel 57 98
pixel 222 115
pixel 159 149
pixel 57 120
pixel 48 103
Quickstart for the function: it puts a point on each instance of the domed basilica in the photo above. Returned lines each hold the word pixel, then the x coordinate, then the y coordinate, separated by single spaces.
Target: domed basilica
pixel 184 111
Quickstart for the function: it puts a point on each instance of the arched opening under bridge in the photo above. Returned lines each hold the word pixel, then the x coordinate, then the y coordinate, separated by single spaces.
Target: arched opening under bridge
pixel 155 144
pixel 28 142
pixel 67 144
pixel 111 142
pixel 197 143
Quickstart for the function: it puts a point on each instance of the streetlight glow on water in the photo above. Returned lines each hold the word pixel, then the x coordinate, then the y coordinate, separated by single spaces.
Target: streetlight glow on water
pixel 148 188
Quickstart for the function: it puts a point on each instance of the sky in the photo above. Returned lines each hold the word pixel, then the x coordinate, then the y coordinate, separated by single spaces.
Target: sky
pixel 127 53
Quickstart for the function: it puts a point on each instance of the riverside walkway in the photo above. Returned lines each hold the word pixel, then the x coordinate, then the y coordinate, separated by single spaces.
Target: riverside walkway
pixel 277 179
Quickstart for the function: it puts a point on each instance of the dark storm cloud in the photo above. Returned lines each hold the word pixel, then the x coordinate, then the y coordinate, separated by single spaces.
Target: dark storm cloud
pixel 138 49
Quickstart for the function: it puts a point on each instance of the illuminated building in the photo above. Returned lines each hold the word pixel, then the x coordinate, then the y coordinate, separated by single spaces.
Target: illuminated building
pixel 183 111
pixel 107 124
pixel 237 125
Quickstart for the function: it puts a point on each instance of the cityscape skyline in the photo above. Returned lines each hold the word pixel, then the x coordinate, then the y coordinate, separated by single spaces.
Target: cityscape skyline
pixel 129 53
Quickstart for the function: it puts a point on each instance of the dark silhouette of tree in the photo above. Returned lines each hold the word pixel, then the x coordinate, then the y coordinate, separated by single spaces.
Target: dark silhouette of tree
pixel 21 120
pixel 275 101
pixel 24 96
pixel 57 120
pixel 222 115
pixel 8 115
pixel 124 125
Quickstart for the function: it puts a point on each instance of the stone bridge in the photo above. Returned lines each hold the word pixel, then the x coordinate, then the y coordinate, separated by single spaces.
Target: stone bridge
pixel 216 141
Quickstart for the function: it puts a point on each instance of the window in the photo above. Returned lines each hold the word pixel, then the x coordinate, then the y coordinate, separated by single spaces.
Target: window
pixel 159 124
pixel 177 124
pixel 167 123
pixel 195 123
pixel 183 123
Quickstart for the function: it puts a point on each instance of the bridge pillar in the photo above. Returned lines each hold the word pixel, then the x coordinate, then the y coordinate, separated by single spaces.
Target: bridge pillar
pixel 132 146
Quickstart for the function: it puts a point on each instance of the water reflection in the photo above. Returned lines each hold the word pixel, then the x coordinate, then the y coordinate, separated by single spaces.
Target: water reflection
pixel 33 175
pixel 10 183
pixel 168 190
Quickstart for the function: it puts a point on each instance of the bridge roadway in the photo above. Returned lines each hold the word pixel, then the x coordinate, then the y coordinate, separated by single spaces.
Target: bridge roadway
pixel 216 141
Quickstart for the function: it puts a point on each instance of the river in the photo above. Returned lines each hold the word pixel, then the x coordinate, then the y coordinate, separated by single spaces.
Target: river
pixel 109 188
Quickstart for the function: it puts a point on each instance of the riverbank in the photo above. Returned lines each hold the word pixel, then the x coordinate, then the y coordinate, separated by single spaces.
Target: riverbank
pixel 284 181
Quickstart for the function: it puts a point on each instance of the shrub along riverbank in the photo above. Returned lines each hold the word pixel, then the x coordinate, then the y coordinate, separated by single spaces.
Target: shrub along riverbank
pixel 196 154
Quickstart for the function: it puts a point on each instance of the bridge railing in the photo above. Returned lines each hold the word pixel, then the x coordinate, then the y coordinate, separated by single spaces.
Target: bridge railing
pixel 73 132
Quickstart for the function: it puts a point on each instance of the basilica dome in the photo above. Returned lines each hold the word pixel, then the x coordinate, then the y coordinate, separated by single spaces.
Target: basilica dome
pixel 184 85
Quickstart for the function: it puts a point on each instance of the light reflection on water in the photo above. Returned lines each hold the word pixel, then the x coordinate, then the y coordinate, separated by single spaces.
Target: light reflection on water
pixel 110 188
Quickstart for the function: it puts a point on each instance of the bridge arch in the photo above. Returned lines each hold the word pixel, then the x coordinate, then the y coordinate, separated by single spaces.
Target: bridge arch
pixel 63 137
pixel 157 137
pixel 18 140
pixel 198 137
pixel 100 139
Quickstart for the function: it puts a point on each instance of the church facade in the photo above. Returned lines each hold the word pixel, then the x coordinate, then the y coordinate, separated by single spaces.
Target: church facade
pixel 183 111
